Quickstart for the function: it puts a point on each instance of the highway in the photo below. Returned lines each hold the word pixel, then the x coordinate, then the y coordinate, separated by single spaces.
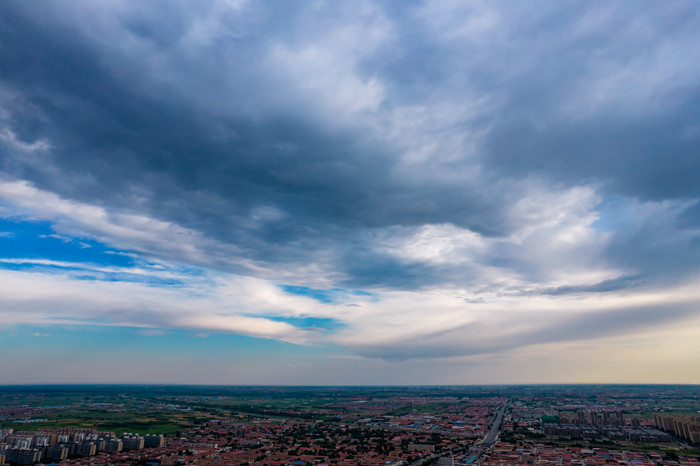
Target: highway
pixel 422 460
pixel 489 438
pixel 495 427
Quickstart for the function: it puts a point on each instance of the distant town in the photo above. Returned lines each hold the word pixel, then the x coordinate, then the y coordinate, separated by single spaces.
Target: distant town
pixel 409 426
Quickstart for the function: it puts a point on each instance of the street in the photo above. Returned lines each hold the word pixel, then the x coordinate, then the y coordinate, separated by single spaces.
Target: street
pixel 489 438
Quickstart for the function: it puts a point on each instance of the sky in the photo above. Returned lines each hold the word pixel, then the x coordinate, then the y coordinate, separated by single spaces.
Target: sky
pixel 349 193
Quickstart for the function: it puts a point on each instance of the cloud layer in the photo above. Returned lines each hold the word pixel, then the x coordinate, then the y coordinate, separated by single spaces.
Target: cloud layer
pixel 438 179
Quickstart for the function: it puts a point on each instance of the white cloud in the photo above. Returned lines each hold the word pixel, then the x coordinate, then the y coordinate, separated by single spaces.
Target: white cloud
pixel 65 239
pixel 477 313
pixel 41 298
pixel 122 230
pixel 436 324
pixel 434 244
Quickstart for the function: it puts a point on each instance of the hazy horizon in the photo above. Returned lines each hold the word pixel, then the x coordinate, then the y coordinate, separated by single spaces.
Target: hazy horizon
pixel 456 386
pixel 365 193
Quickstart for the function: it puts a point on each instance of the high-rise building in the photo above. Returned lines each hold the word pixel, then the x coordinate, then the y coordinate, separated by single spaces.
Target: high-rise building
pixel 28 456
pixel 86 449
pixel 151 441
pixel 100 444
pixel 683 426
pixel 132 442
pixel 57 452
pixel 114 444
pixel 44 439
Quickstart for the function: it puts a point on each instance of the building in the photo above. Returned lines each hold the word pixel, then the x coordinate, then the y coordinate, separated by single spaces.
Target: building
pixel 152 441
pixel 421 447
pixel 57 452
pixel 86 449
pixel 114 445
pixel 686 427
pixel 132 442
pixel 30 456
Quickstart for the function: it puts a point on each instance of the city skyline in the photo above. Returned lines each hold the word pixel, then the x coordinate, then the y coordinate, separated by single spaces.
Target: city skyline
pixel 371 193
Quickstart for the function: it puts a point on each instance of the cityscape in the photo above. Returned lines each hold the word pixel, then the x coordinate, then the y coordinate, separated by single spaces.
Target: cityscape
pixel 399 426
pixel 349 233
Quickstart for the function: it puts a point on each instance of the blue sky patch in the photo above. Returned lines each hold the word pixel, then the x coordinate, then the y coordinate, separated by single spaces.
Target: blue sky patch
pixel 38 240
pixel 310 322
pixel 328 296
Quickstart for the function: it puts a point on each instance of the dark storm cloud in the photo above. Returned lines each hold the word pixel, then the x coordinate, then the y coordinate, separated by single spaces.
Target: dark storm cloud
pixel 211 138
pixel 617 104
pixel 650 157
pixel 113 143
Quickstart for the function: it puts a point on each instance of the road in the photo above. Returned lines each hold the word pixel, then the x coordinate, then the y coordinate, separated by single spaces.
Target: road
pixel 422 460
pixel 495 427
pixel 490 437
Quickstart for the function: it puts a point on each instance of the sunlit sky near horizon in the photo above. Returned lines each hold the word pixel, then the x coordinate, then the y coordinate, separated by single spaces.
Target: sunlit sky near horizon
pixel 322 193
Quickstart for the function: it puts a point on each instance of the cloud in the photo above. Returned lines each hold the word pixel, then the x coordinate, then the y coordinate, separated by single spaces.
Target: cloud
pixel 393 325
pixel 123 230
pixel 434 326
pixel 10 138
pixel 40 298
pixel 65 239
pixel 490 175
